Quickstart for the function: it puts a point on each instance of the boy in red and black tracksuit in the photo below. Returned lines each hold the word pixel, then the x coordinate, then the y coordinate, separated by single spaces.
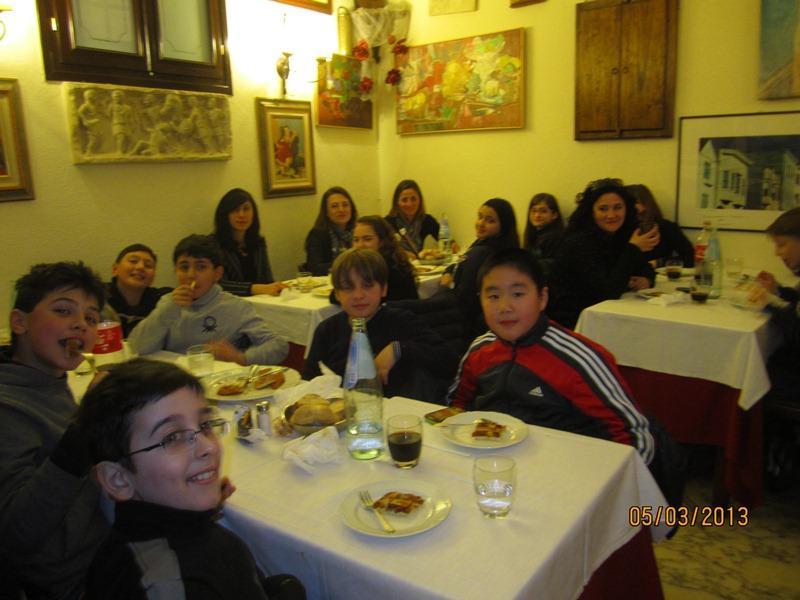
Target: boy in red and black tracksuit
pixel 531 368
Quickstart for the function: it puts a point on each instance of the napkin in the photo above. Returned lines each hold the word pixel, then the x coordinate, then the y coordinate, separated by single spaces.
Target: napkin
pixel 289 293
pixel 318 448
pixel 327 386
pixel 667 299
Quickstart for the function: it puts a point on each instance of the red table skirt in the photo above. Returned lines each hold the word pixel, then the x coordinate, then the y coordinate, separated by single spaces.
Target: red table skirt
pixel 697 411
pixel 631 572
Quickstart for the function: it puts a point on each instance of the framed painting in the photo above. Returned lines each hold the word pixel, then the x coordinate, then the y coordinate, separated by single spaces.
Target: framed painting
pixel 286 147
pixel 338 100
pixel 779 75
pixel 320 5
pixel 739 171
pixel 15 173
pixel 476 82
pixel 449 7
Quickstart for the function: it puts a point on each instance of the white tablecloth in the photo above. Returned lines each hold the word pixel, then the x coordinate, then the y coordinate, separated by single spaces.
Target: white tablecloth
pixel 570 514
pixel 295 318
pixel 713 341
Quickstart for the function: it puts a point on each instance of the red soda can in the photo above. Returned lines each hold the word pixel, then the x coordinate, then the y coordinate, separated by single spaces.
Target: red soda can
pixel 109 338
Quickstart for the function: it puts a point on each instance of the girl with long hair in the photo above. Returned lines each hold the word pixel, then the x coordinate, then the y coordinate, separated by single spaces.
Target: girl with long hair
pixel 374 233
pixel 408 216
pixel 332 232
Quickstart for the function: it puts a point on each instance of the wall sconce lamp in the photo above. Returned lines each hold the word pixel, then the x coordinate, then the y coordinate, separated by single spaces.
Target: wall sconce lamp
pixel 282 67
pixel 4 8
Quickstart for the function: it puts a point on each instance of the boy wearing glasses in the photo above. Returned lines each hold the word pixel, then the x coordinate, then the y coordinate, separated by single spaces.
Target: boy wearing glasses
pixel 199 312
pixel 157 445
pixel 50 521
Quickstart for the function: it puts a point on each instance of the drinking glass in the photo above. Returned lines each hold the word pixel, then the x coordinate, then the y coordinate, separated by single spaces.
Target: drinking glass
pixel 701 290
pixel 673 268
pixel 305 281
pixel 733 267
pixel 404 434
pixel 495 479
pixel 200 359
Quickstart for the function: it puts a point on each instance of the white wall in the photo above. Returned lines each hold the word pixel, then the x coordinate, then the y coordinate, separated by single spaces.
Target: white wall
pixel 89 212
pixel 717 74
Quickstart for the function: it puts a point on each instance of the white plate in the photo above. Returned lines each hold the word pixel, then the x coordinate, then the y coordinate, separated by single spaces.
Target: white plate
pixel 515 432
pixel 685 272
pixel 212 382
pixel 435 509
pixel 651 293
pixel 315 281
pixel 322 292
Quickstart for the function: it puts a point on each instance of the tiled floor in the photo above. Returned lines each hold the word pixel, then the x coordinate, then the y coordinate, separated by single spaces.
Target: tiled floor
pixel 759 561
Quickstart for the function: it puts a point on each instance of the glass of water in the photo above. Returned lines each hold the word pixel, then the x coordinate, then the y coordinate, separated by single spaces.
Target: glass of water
pixel 495 479
pixel 200 359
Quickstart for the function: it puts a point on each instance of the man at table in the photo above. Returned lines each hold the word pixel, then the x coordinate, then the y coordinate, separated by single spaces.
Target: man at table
pixel 531 368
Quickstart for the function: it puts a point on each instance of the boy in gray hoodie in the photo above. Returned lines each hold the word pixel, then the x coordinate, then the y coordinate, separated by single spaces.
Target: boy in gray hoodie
pixel 198 311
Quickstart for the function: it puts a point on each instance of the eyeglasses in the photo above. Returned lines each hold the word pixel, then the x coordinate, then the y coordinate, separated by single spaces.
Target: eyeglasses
pixel 182 441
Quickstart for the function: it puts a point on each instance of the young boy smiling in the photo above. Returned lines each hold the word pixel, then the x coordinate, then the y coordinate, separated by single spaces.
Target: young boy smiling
pixel 50 521
pixel 157 445
pixel 538 371
pixel 199 312
pixel 130 297
pixel 403 346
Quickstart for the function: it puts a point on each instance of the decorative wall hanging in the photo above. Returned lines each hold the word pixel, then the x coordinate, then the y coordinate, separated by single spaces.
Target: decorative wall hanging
pixel 127 124
pixel 320 5
pixel 448 7
pixel 740 170
pixel 15 174
pixel 470 83
pixel 340 100
pixel 780 49
pixel 286 147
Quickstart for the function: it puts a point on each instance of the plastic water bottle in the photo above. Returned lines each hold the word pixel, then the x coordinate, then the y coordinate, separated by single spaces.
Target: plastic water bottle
pixel 701 243
pixel 363 398
pixel 714 260
pixel 445 243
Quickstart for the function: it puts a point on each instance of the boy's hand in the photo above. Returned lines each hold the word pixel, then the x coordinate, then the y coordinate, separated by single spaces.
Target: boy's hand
pixel 227 489
pixel 224 350
pixel 767 281
pixel 384 363
pixel 183 296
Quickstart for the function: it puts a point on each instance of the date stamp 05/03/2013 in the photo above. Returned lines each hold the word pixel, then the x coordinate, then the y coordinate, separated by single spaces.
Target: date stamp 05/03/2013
pixel 685 516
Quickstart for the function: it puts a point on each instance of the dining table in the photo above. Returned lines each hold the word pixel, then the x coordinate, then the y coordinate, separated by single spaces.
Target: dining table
pixel 569 534
pixel 699 368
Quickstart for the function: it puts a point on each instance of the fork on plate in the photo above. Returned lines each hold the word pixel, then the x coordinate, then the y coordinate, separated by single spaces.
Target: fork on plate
pixel 366 502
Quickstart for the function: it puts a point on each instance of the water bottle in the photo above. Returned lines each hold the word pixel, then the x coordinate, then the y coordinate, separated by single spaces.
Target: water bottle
pixel 713 258
pixel 445 243
pixel 701 243
pixel 363 398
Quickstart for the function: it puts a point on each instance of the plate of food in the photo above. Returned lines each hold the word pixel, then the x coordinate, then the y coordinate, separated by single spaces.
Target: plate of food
pixel 312 412
pixel 433 256
pixel 410 506
pixel 233 386
pixel 323 291
pixel 484 429
pixel 651 293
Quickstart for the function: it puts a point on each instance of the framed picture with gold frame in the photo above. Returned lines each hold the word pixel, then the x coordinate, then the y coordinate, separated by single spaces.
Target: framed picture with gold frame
pixel 15 174
pixel 286 147
pixel 320 5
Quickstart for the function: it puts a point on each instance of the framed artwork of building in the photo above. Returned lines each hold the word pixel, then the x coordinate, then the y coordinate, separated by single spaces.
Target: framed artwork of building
pixel 739 171
pixel 286 147
pixel 470 83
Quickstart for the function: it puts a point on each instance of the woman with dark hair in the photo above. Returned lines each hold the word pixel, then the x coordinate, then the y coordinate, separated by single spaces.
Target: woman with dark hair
pixel 374 233
pixel 672 243
pixel 602 255
pixel 408 216
pixel 244 249
pixel 495 229
pixel 332 232
pixel 544 229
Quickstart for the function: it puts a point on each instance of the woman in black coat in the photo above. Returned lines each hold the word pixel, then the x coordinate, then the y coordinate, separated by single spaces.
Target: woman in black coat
pixel 332 232
pixel 544 229
pixel 603 252
pixel 408 216
pixel 244 249
pixel 673 243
